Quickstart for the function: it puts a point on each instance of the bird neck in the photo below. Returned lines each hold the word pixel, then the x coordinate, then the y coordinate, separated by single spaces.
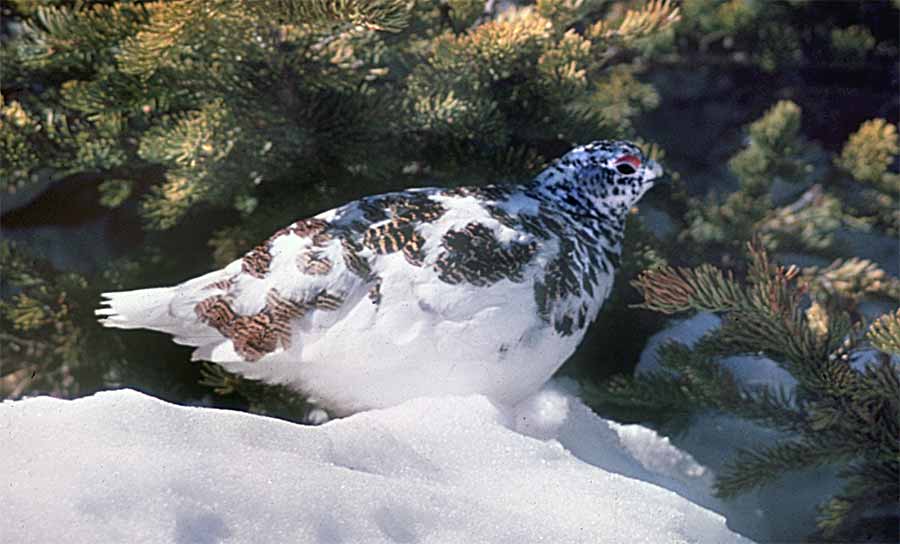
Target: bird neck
pixel 559 189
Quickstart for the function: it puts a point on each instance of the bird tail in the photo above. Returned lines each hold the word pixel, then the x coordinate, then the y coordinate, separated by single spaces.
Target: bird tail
pixel 140 309
pixel 166 309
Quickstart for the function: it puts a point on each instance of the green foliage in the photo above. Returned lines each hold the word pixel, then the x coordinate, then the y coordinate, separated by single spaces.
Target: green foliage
pixel 731 17
pixel 386 15
pixel 271 400
pixel 43 345
pixel 229 96
pixel 760 29
pixel 867 156
pixel 478 85
pixel 795 199
pixel 884 333
pixel 16 125
pixel 838 413
pixel 851 280
pixel 52 345
pixel 853 43
pixel 775 151
pixel 654 17
pixel 778 153
pixel 869 153
pixel 113 192
pixel 777 35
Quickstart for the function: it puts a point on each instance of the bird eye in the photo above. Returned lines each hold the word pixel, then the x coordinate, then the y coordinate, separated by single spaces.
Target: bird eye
pixel 628 164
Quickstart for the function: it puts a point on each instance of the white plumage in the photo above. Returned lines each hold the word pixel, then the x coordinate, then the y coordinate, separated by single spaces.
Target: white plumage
pixel 422 292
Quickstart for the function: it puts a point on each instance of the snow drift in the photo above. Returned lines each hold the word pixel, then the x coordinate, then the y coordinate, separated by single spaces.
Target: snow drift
pixel 124 467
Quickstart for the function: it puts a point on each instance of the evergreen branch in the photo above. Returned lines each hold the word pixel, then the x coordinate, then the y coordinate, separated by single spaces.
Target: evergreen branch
pixel 615 99
pixel 652 391
pixel 869 486
pixel 776 150
pixel 877 480
pixel 772 321
pixel 835 513
pixel 789 340
pixel 862 412
pixel 770 406
pixel 884 333
pixel 651 396
pixel 869 152
pixel 750 469
pixel 692 380
pixel 756 330
pixel 166 204
pixel 704 381
pixel 655 16
pixel 567 13
pixel 839 412
pixel 706 384
pixel 881 381
pixel 766 316
pixel 705 288
pixel 80 36
pixel 264 399
pixel 852 279
pixel 186 32
pixel 778 131
pixel 871 408
pixel 44 336
pixel 709 385
pixel 810 222
pixel 381 15
pixel 18 134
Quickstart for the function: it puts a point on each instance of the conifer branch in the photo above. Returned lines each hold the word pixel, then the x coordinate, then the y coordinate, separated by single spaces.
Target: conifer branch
pixel 77 37
pixel 382 15
pixel 653 17
pixel 852 279
pixel 265 399
pixel 837 412
pixel 884 333
pixel 754 468
pixel 869 152
pixel 705 288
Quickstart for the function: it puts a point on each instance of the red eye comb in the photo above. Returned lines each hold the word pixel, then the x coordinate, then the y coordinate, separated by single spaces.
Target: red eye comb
pixel 630 159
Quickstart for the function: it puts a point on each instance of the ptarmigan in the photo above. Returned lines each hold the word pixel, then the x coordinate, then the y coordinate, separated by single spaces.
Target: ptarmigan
pixel 415 293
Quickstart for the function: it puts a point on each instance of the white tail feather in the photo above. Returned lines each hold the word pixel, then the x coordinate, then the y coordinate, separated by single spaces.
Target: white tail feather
pixel 165 309
pixel 141 309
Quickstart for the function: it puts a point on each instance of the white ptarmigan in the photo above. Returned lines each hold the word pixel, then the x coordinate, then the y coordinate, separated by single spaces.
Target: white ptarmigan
pixel 415 293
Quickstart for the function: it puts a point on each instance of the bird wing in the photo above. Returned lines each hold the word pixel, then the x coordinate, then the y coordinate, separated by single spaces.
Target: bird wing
pixel 312 273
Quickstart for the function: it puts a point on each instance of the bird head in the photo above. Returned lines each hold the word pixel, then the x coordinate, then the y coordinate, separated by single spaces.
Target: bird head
pixel 603 176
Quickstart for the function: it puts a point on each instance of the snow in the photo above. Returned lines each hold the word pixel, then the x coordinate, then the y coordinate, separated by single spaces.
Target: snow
pixel 124 467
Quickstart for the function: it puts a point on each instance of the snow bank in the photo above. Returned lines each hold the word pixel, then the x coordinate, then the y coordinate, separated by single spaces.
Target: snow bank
pixel 124 467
